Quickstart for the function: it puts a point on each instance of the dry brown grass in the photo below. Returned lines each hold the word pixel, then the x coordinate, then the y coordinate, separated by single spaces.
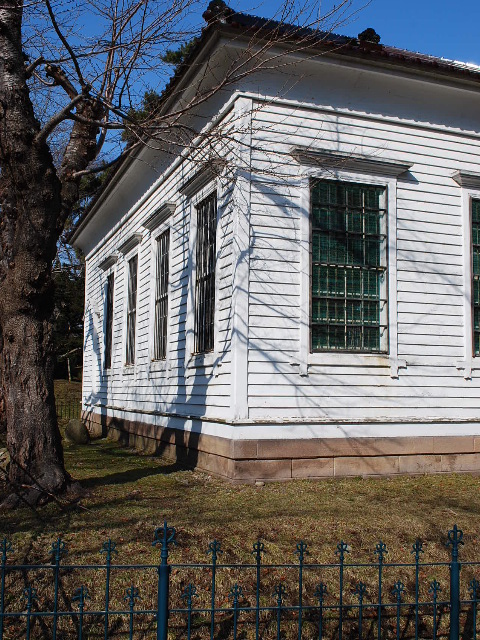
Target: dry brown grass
pixel 128 495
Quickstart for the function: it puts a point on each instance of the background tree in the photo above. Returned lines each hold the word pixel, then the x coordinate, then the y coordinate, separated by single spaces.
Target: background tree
pixel 71 75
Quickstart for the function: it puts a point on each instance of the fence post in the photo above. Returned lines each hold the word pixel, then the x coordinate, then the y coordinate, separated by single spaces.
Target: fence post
pixel 163 535
pixel 5 548
pixel 455 538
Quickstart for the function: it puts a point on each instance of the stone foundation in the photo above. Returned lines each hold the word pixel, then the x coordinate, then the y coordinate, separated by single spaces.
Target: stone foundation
pixel 252 460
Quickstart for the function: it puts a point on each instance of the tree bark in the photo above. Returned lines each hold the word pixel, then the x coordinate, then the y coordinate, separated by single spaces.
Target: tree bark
pixel 31 206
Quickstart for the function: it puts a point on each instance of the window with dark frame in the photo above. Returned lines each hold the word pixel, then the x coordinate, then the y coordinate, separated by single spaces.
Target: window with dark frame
pixel 131 310
pixel 109 321
pixel 348 267
pixel 476 275
pixel 161 297
pixel 205 274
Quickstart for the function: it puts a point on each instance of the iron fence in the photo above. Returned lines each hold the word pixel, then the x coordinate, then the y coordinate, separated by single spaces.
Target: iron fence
pixel 68 409
pixel 253 600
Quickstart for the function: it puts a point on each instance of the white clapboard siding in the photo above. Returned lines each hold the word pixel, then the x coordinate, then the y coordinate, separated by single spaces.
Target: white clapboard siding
pixel 430 274
pixel 142 387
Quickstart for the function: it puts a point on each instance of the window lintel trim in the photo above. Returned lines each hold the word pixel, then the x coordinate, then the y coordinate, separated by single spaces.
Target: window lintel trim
pixel 467 179
pixel 208 172
pixel 130 243
pixel 338 160
pixel 160 215
pixel 108 262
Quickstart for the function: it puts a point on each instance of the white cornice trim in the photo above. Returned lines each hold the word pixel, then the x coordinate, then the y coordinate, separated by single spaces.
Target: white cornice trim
pixel 467 179
pixel 349 162
pixel 131 242
pixel 161 214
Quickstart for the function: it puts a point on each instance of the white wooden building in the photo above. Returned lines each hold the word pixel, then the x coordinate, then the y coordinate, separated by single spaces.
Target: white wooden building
pixel 303 300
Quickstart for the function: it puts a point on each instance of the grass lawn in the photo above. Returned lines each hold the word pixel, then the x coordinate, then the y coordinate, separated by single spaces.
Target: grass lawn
pixel 128 495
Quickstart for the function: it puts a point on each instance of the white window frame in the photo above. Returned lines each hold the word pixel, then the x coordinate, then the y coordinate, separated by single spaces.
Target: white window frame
pixel 470 185
pixel 129 369
pixel 209 358
pixel 390 358
pixel 108 266
pixel 107 274
pixel 159 365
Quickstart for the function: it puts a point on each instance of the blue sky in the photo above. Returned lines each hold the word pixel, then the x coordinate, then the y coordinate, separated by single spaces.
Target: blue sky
pixel 437 27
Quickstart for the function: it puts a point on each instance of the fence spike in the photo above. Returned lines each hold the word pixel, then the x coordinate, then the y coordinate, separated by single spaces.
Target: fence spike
pixel 215 548
pixel 417 549
pixel 164 535
pixel 132 593
pixel 301 550
pixel 109 548
pixel 341 550
pixel 58 549
pixel 381 551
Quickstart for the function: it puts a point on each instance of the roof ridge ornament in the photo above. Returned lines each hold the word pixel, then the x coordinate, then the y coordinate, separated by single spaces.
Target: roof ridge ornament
pixel 217 11
pixel 369 35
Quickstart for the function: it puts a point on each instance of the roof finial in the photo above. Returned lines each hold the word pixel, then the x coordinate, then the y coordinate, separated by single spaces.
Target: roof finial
pixel 369 35
pixel 217 10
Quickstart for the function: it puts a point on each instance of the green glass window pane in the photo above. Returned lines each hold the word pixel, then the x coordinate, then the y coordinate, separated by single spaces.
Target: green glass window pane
pixel 371 312
pixel 355 221
pixel 354 312
pixel 315 247
pixel 372 222
pixel 475 233
pixel 476 211
pixel 354 338
pixel 354 282
pixel 371 284
pixel 337 337
pixel 355 250
pixel 476 292
pixel 371 338
pixel 320 337
pixel 476 261
pixel 372 252
pixel 476 344
pixel 372 198
pixel 324 248
pixel 476 318
pixel 355 197
pixel 335 282
pixel 320 310
pixel 316 280
pixel 339 220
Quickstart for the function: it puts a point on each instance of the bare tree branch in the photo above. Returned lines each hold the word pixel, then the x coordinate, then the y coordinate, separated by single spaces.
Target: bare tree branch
pixel 129 151
pixel 73 57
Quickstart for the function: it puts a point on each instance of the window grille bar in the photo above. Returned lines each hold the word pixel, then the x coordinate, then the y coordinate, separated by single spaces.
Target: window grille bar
pixel 131 309
pixel 205 274
pixel 161 297
pixel 109 322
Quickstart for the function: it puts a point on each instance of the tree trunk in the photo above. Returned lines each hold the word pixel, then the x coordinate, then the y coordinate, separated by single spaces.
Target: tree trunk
pixel 30 209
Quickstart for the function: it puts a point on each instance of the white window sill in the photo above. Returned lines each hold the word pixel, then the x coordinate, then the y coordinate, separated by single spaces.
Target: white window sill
pixel 349 359
pixel 158 366
pixel 128 370
pixel 202 360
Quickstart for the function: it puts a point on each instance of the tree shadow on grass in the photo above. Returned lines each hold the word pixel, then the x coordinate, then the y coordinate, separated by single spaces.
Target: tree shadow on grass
pixel 131 475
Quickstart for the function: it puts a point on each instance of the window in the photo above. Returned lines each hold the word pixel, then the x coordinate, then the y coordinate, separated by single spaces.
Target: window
pixel 131 310
pixel 161 297
pixel 348 267
pixel 109 322
pixel 205 274
pixel 476 275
